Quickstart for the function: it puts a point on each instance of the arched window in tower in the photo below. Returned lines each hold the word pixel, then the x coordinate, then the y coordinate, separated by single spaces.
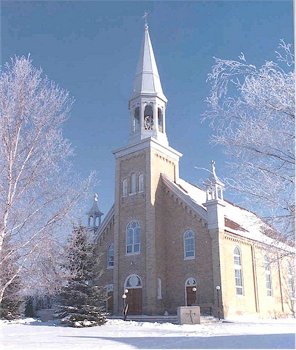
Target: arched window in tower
pixel 148 117
pixel 291 284
pixel 238 271
pixel 160 119
pixel 268 282
pixel 124 188
pixel 189 245
pixel 133 183
pixel 136 121
pixel 133 238
pixel 141 183
pixel 110 256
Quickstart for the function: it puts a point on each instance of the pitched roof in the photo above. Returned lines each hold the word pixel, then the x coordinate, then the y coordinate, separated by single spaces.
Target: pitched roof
pixel 238 221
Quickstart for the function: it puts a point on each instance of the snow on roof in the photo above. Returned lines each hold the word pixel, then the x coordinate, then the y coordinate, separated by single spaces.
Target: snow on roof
pixel 238 220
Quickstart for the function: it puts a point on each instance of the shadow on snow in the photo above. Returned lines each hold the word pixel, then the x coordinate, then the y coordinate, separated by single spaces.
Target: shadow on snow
pixel 262 341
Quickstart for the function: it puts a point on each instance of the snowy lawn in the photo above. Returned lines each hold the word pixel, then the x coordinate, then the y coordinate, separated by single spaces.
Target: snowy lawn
pixel 117 334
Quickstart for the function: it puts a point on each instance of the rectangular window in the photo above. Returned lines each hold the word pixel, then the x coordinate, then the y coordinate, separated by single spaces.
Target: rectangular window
pixel 133 183
pixel 141 183
pixel 124 188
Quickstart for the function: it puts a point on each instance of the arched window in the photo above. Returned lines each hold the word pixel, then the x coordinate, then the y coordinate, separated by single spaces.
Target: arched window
pixel 133 238
pixel 136 121
pixel 141 183
pixel 124 188
pixel 268 282
pixel 160 119
pixel 238 271
pixel 133 183
pixel 110 256
pixel 291 285
pixel 148 117
pixel 189 245
pixel 133 281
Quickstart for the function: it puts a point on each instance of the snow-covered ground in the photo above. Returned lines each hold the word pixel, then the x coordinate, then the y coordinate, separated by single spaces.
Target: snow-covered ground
pixel 117 334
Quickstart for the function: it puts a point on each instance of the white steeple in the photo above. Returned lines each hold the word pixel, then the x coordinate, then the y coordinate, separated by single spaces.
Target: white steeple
pixel 214 200
pixel 147 79
pixel 147 103
pixel 94 215
pixel 214 186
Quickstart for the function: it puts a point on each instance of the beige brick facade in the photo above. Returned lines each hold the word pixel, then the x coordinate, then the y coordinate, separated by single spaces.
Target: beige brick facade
pixel 219 264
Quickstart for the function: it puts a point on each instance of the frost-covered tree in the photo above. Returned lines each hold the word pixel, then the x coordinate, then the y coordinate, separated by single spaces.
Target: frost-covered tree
pixel 12 303
pixel 252 112
pixel 82 299
pixel 37 186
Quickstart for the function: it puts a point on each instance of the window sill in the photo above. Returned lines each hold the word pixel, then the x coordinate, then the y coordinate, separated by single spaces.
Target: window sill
pixel 130 254
pixel 190 258
pixel 110 267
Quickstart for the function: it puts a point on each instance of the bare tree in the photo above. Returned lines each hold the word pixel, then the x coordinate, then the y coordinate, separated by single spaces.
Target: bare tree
pixel 38 189
pixel 252 112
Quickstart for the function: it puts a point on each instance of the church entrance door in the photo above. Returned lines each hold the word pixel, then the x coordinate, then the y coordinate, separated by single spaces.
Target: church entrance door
pixel 134 301
pixel 191 292
pixel 134 295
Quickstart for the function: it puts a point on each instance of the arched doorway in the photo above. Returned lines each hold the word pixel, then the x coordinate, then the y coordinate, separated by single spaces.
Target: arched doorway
pixel 133 284
pixel 190 292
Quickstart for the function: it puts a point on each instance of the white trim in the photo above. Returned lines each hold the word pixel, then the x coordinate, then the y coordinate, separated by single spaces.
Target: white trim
pixel 136 287
pixel 147 143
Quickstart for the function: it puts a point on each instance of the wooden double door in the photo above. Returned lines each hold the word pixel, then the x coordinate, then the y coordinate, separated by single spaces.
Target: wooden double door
pixel 134 301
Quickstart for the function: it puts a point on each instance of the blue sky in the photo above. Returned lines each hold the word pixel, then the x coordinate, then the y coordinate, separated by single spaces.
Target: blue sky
pixel 91 48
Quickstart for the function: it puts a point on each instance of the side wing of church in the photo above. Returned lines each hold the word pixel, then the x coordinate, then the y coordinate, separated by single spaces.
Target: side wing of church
pixel 166 243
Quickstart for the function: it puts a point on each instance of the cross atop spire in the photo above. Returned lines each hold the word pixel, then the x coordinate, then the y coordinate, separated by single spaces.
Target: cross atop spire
pixel 145 19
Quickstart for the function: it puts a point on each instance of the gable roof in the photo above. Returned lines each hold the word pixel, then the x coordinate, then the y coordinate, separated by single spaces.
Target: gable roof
pixel 238 221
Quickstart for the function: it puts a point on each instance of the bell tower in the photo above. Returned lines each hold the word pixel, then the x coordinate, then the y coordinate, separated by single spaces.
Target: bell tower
pixel 139 165
pixel 147 104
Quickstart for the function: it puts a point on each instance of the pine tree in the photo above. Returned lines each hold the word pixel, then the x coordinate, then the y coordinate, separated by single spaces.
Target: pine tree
pixel 81 299
pixel 12 303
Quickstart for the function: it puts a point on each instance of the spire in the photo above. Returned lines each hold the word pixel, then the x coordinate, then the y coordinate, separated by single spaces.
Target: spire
pixel 147 81
pixel 214 186
pixel 94 215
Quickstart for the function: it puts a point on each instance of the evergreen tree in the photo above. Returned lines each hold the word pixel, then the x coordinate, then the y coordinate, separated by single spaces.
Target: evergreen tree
pixel 81 299
pixel 11 305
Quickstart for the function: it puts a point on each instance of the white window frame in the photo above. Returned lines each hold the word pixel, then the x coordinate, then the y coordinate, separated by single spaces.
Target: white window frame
pixel 110 257
pixel 238 271
pixel 189 254
pixel 133 184
pixel 124 188
pixel 133 238
pixel 291 286
pixel 268 279
pixel 141 183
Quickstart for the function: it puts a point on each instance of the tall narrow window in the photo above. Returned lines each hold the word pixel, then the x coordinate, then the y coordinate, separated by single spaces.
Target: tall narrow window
pixel 238 271
pixel 268 282
pixel 160 119
pixel 124 188
pixel 159 292
pixel 291 285
pixel 133 183
pixel 189 245
pixel 141 183
pixel 110 256
pixel 148 118
pixel 136 125
pixel 133 238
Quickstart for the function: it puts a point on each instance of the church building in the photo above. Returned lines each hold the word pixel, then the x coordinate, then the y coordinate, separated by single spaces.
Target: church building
pixel 167 243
